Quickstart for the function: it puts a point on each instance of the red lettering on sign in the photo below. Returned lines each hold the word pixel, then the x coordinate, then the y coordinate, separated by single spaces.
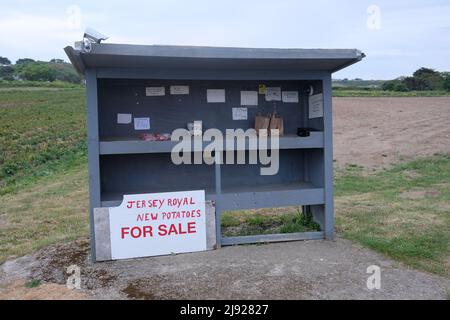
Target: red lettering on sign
pixel 148 231
pixel 124 231
pixel 191 227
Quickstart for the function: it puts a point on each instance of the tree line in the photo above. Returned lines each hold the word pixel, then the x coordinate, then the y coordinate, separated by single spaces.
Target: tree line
pixel 29 69
pixel 423 79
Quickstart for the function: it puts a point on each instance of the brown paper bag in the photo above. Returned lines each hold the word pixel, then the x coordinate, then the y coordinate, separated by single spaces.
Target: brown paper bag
pixel 262 123
pixel 276 123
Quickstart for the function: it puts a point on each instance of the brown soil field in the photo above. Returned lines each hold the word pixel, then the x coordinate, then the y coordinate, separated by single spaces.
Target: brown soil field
pixel 377 132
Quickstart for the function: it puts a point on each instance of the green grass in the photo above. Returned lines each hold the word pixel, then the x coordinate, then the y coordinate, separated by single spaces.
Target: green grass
pixel 41 132
pixel 38 84
pixel 403 212
pixel 33 283
pixel 264 221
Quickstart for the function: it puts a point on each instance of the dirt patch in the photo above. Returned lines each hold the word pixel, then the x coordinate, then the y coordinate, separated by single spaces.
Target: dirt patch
pixel 377 132
pixel 420 194
pixel 17 290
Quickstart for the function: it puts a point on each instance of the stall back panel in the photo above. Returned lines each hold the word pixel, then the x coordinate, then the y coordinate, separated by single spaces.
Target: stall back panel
pixel 170 112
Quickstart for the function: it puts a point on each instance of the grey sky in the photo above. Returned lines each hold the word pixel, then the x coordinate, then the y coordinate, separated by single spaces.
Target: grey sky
pixel 411 33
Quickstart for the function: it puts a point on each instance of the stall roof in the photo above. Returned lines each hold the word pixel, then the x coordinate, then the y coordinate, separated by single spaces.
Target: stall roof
pixel 160 56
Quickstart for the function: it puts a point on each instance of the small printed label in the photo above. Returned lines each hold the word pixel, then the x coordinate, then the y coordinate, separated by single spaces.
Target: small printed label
pixel 240 114
pixel 124 118
pixel 179 89
pixel 249 98
pixel 273 94
pixel 141 123
pixel 290 96
pixel 215 95
pixel 155 91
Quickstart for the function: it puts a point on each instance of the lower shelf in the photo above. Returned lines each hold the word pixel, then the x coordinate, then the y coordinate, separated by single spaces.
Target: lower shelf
pixel 271 195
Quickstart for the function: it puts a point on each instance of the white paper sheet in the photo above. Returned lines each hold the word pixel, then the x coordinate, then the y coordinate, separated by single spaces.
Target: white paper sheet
pixel 316 106
pixel 240 114
pixel 155 91
pixel 141 123
pixel 273 94
pixel 249 98
pixel 215 95
pixel 124 118
pixel 290 96
pixel 179 89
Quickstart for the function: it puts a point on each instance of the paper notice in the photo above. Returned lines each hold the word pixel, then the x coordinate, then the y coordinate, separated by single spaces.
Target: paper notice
pixel 179 89
pixel 215 95
pixel 290 96
pixel 155 91
pixel 141 123
pixel 123 118
pixel 240 114
pixel 273 94
pixel 262 89
pixel 316 106
pixel 249 98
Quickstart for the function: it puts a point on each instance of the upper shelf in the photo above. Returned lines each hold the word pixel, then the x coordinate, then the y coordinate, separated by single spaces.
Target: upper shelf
pixel 131 145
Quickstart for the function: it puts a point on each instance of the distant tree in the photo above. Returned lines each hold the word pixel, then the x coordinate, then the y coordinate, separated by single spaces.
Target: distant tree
pixel 395 85
pixel 37 71
pixel 428 79
pixel 4 61
pixel 416 84
pixel 24 61
pixel 447 83
pixel 65 72
pixel 7 72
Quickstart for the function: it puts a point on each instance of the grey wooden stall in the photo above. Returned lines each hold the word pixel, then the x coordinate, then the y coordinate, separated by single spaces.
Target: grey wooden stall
pixel 120 163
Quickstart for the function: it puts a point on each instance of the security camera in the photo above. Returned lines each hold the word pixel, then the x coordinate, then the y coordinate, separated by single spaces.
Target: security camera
pixel 94 36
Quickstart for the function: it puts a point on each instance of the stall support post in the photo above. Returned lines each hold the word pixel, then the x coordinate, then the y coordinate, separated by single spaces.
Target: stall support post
pixel 328 157
pixel 93 152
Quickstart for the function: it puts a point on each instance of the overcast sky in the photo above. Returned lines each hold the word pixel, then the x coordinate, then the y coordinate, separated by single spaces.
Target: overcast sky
pixel 397 36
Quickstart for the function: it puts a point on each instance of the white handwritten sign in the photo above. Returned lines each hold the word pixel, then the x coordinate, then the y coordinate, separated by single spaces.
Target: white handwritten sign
pixel 316 106
pixel 158 224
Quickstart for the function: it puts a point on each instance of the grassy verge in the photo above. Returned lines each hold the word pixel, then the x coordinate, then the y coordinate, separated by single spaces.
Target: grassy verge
pixel 403 212
pixel 38 84
pixel 53 210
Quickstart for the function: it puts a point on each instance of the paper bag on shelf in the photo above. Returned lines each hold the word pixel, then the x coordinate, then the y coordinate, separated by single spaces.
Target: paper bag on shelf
pixel 276 123
pixel 262 124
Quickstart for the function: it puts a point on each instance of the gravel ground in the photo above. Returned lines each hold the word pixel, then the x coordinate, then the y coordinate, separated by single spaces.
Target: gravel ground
pixel 295 270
